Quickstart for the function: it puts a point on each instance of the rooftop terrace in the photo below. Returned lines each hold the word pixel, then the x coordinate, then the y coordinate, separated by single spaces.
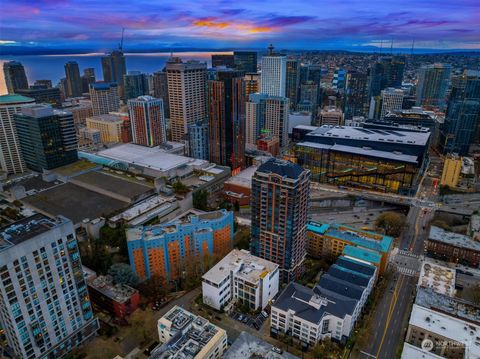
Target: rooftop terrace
pixel 119 292
pixel 441 279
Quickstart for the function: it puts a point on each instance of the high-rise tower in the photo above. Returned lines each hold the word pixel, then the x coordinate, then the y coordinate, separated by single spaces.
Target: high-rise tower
pixel 274 73
pixel 148 121
pixel 73 80
pixel 15 77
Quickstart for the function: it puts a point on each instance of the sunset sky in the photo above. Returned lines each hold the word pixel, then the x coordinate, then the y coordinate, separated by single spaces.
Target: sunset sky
pixel 439 24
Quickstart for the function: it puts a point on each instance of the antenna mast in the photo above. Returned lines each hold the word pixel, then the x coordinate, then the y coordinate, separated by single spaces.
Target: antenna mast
pixel 120 45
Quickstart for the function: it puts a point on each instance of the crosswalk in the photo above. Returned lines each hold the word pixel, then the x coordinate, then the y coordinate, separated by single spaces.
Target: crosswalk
pixel 401 252
pixel 407 271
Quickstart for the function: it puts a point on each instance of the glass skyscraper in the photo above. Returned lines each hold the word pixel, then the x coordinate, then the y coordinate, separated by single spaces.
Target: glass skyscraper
pixel 15 77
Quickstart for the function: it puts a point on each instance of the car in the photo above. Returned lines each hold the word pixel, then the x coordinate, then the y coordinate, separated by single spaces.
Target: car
pixel 245 320
pixel 277 350
pixel 240 318
pixel 265 314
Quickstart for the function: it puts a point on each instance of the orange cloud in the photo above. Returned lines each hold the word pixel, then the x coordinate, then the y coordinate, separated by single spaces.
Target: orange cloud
pixel 209 22
pixel 244 27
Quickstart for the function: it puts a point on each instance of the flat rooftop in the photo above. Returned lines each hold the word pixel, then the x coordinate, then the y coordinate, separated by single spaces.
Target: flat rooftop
pixel 243 265
pixel 362 254
pixel 441 279
pixel 74 202
pixel 366 239
pixel 363 151
pixel 248 346
pixel 119 292
pixel 244 178
pixel 454 239
pixel 75 167
pixel 24 229
pixel 150 157
pixel 112 183
pixel 412 352
pixel 359 133
pixel 106 118
pixel 281 167
pixel 449 327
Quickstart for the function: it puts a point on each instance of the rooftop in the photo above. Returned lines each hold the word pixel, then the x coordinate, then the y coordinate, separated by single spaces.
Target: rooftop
pixel 441 279
pixel 24 229
pixel 359 133
pixel 103 85
pixel 106 118
pixel 244 178
pixel 14 99
pixel 412 352
pixel 243 264
pixel 364 151
pixel 448 327
pixel 453 239
pixel 247 346
pixel 119 292
pixel 282 168
pixel 191 334
pixel 455 307
pixel 75 167
pixel 362 254
pixel 150 157
pixel 365 239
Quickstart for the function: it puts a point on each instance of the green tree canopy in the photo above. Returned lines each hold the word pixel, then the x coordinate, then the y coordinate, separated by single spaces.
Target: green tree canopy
pixel 391 222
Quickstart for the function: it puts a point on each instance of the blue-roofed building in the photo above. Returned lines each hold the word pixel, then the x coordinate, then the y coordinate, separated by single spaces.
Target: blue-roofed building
pixel 363 255
pixel 329 241
pixel 330 310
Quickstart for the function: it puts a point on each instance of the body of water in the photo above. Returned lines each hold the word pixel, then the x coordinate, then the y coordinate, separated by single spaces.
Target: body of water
pixel 51 67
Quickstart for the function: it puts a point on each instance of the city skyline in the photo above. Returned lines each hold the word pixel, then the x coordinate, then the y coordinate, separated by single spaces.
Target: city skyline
pixel 350 25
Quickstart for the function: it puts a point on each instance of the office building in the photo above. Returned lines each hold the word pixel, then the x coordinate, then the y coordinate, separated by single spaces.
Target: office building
pixel 110 127
pixel 438 327
pixel 87 78
pixel 245 61
pixel 185 335
pixel 241 278
pixel 413 117
pixel 292 82
pixel 453 247
pixel 90 136
pixel 80 109
pixel 187 85
pixel 330 116
pixel 268 143
pixel 309 94
pixel 46 136
pixel 329 310
pixel 15 77
pixel 392 100
pixel 164 249
pixel 452 168
pixel 119 300
pixel 135 84
pixel 237 189
pixel 45 308
pixel 73 80
pixel 381 160
pixel 42 94
pixel 160 90
pixel 252 83
pixel 267 115
pixel 226 116
pixel 274 73
pixel 338 81
pixel 355 94
pixel 280 194
pixel 44 83
pixel 223 61
pixel 105 97
pixel 386 72
pixel 114 68
pixel 432 86
pixel 198 139
pixel 11 159
pixel 459 131
pixel 148 121
pixel 328 241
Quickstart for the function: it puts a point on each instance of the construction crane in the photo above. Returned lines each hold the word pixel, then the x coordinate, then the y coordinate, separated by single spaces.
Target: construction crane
pixel 120 45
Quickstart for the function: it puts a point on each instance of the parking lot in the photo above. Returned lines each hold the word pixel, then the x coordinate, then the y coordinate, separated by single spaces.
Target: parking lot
pixel 252 320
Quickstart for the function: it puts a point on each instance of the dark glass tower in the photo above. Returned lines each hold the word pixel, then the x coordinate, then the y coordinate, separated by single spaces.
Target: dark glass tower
pixel 463 115
pixel 136 84
pixel 279 203
pixel 160 90
pixel 114 67
pixel 15 77
pixel 387 72
pixel 226 114
pixel 47 137
pixel 292 82
pixel 223 60
pixel 245 61
pixel 355 94
pixel 73 80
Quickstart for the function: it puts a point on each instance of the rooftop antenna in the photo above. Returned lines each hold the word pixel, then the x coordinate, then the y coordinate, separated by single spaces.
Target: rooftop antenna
pixel 391 48
pixel 381 46
pixel 270 50
pixel 413 45
pixel 120 45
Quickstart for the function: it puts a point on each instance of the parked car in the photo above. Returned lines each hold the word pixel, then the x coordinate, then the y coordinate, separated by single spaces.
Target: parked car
pixel 265 314
pixel 277 350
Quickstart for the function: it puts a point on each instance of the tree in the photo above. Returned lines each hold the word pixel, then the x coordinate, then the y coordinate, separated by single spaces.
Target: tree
pixel 123 274
pixel 200 200
pixel 391 222
pixel 180 188
pixel 155 287
pixel 114 237
pixel 327 349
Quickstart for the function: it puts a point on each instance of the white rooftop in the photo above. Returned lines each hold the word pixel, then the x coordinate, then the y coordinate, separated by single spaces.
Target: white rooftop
pixel 448 327
pixel 453 239
pixel 150 157
pixel 412 352
pixel 441 279
pixel 244 264
pixel 244 178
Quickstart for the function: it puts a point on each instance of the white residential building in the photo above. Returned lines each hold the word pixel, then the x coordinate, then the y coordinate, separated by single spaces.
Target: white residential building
pixel 329 310
pixel 240 276
pixel 185 335
pixel 274 74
